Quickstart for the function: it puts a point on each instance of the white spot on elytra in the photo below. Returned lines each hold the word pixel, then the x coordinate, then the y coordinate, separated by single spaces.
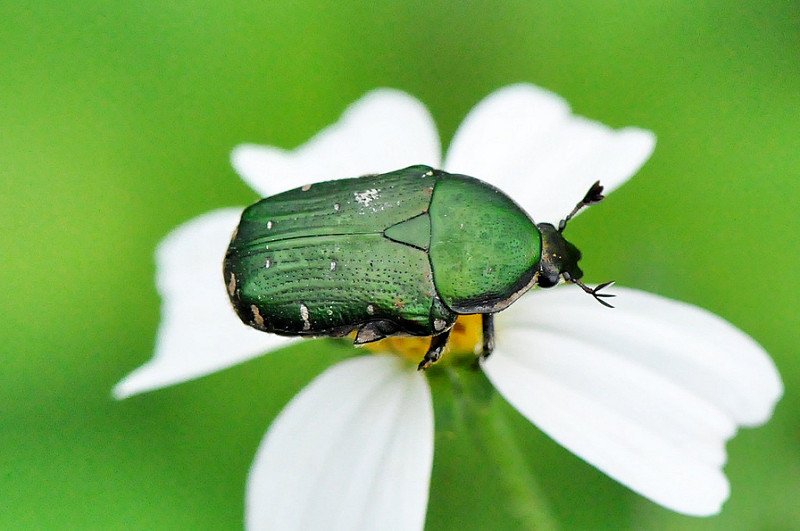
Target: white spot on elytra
pixel 268 263
pixel 428 173
pixel 330 312
pixel 336 207
pixel 306 188
pixel 304 316
pixel 333 265
pixel 232 285
pixel 370 309
pixel 259 320
pixel 269 225
pixel 438 325
pixel 367 196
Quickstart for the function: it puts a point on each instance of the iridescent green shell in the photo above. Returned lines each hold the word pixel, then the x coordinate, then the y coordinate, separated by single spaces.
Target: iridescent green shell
pixel 404 252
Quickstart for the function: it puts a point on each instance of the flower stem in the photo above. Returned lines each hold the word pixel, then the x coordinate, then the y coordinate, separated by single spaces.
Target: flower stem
pixel 484 417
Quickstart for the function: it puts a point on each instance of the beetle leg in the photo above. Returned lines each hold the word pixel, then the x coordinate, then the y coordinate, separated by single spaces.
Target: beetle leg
pixel 593 291
pixel 374 331
pixel 435 350
pixel 488 334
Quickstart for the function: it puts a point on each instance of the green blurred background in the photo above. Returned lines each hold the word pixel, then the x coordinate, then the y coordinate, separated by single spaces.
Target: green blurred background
pixel 116 123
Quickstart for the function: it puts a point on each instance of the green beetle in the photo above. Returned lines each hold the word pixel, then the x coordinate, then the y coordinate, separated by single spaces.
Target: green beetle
pixel 402 253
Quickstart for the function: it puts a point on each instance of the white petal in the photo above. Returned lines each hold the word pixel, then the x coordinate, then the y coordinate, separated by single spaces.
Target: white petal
pixel 647 392
pixel 383 131
pixel 199 331
pixel 526 141
pixel 352 451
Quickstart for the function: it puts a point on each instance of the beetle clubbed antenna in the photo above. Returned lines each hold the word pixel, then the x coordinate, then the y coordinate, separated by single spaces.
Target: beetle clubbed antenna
pixel 594 291
pixel 593 196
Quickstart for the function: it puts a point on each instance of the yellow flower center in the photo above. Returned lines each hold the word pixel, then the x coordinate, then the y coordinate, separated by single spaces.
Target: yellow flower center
pixel 466 341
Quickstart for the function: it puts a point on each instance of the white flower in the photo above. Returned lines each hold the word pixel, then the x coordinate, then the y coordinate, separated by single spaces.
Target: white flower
pixel 648 392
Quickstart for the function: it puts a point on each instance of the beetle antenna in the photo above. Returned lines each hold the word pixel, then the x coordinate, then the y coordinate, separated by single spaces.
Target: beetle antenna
pixel 594 291
pixel 593 196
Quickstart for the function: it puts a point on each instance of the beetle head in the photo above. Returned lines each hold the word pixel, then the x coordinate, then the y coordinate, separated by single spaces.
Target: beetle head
pixel 559 258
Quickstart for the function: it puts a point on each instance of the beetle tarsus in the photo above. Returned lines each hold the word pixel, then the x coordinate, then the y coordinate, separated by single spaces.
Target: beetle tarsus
pixel 594 291
pixel 488 334
pixel 438 343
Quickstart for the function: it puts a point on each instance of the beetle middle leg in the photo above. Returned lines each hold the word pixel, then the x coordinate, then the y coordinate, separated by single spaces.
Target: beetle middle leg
pixel 374 331
pixel 435 350
pixel 488 334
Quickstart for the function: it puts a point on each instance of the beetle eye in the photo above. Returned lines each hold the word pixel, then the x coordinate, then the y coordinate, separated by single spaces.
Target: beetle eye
pixel 547 280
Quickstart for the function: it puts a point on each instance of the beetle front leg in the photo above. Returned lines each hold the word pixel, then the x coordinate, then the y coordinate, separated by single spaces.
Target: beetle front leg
pixel 434 351
pixel 488 334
